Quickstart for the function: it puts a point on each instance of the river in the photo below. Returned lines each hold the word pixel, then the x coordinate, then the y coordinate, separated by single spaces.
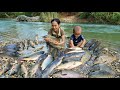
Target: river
pixel 10 30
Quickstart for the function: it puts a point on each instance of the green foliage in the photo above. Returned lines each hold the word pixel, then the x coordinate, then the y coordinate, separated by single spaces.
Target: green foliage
pixel 84 15
pixel 44 16
pixel 102 17
pixel 47 16
pixel 95 17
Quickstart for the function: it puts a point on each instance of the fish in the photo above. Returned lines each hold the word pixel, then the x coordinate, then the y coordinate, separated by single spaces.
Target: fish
pixel 33 58
pixel 15 68
pixel 86 57
pixel 36 39
pixel 75 54
pixel 30 54
pixel 53 40
pixel 31 43
pixel 94 46
pixel 90 42
pixel 38 73
pixel 24 70
pixel 71 59
pixel 20 46
pixel 72 49
pixel 41 42
pixel 69 65
pixel 12 54
pixel 34 70
pixel 68 74
pixel 23 45
pixel 50 68
pixel 42 58
pixel 10 50
pixel 47 61
pixel 38 49
pixel 75 51
pixel 10 46
pixel 74 57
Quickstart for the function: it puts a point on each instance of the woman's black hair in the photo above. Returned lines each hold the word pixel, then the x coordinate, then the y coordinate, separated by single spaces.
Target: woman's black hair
pixel 56 19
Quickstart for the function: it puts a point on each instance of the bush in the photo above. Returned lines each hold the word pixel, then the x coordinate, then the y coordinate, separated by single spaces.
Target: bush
pixel 102 17
pixel 47 16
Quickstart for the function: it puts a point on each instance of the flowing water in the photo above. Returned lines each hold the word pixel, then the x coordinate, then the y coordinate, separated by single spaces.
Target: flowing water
pixel 10 30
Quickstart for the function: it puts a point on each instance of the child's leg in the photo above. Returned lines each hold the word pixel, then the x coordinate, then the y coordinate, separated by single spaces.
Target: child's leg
pixel 82 43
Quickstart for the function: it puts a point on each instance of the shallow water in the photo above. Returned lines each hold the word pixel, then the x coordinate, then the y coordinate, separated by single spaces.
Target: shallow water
pixel 11 30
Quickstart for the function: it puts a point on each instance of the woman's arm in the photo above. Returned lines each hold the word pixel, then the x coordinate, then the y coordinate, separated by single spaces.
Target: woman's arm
pixel 49 33
pixel 71 44
pixel 63 40
pixel 62 37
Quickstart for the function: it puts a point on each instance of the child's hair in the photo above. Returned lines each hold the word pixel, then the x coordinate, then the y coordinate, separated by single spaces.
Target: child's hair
pixel 76 28
pixel 56 19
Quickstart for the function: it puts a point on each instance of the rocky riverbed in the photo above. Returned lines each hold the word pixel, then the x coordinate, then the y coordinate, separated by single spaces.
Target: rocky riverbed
pixel 94 61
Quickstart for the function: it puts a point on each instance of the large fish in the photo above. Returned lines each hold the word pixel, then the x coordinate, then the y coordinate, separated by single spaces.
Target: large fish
pixel 46 72
pixel 38 73
pixel 90 42
pixel 30 54
pixel 74 54
pixel 86 57
pixel 42 58
pixel 12 54
pixel 75 51
pixel 94 46
pixel 33 58
pixel 11 46
pixel 53 40
pixel 72 49
pixel 72 59
pixel 69 65
pixel 47 61
pixel 68 74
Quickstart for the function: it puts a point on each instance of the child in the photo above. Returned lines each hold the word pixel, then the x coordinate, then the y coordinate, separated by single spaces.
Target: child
pixel 77 40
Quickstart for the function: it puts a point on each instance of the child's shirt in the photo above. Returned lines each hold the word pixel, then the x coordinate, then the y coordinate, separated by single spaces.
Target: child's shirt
pixel 76 41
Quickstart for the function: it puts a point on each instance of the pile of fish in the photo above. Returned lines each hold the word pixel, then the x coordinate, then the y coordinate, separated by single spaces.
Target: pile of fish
pixel 93 61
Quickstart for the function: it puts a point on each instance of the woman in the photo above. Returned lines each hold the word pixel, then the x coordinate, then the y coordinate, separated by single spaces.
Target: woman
pixel 59 37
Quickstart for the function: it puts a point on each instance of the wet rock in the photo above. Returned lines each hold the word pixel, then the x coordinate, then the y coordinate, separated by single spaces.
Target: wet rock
pixel 27 19
pixel 101 74
pixel 104 67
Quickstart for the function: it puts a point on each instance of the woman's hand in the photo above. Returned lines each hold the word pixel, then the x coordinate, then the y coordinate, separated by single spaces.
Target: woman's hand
pixel 46 39
pixel 56 43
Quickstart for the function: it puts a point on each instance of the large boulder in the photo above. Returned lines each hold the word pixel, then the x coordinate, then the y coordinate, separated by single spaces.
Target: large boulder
pixel 27 19
pixel 22 18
